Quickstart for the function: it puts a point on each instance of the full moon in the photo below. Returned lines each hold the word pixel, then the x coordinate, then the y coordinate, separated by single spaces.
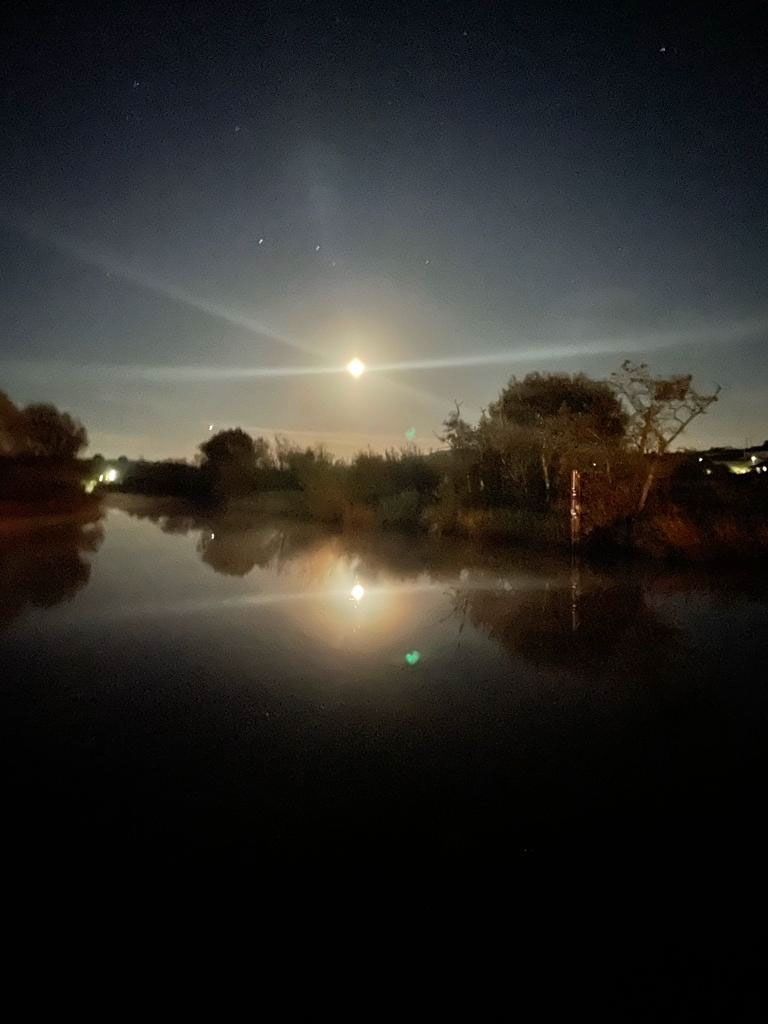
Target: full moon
pixel 355 367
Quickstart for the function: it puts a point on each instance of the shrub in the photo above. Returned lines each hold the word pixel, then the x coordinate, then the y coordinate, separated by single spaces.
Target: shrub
pixel 400 511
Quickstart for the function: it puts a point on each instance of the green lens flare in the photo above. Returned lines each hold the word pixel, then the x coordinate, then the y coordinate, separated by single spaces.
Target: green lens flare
pixel 413 657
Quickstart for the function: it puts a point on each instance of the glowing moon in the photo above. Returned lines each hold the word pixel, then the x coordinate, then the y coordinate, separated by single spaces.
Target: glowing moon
pixel 355 367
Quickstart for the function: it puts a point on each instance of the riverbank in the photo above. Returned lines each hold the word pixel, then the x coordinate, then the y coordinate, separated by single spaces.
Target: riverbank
pixel 23 516
pixel 666 534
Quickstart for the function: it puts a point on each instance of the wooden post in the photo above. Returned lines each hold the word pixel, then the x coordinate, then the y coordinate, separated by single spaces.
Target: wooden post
pixel 575 538
pixel 575 508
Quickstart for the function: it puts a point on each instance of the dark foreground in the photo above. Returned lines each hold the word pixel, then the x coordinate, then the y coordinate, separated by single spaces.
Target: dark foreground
pixel 182 692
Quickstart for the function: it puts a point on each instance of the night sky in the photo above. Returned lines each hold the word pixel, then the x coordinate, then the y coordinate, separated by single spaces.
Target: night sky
pixel 194 194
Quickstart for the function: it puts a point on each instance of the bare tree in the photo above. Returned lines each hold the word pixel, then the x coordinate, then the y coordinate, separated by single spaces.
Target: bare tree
pixel 660 409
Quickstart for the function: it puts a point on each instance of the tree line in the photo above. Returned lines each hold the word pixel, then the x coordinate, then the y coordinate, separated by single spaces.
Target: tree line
pixel 508 472
pixel 39 430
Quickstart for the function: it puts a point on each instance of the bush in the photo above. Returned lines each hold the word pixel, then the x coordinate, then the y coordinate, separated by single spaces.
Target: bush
pixel 550 528
pixel 400 511
pixel 672 532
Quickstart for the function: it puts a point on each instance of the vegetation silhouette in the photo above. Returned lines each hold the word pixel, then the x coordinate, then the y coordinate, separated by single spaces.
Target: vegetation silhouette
pixel 606 629
pixel 508 475
pixel 39 430
pixel 236 551
pixel 43 568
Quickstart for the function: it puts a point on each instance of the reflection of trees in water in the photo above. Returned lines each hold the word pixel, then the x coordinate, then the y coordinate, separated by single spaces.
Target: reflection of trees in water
pixel 233 544
pixel 555 627
pixel 730 584
pixel 237 552
pixel 41 569
pixel 614 622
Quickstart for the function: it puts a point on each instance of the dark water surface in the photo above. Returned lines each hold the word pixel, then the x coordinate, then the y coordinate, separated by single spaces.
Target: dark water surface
pixel 179 688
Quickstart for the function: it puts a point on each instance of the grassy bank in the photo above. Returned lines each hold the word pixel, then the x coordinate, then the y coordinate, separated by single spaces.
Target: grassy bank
pixel 664 533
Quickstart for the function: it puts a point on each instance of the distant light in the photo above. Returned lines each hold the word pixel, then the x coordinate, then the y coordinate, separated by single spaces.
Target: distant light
pixel 356 367
pixel 261 241
pixel 411 433
pixel 317 248
pixel 111 476
pixel 210 426
pixel 101 478
pixel 700 459
pixel 753 458
pixel 413 657
pixel 213 536
pixel 357 592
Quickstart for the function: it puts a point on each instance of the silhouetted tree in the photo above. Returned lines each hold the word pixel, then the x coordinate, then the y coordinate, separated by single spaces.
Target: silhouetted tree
pixel 39 429
pixel 542 397
pixel 560 414
pixel 228 459
pixel 52 434
pixel 660 409
pixel 10 423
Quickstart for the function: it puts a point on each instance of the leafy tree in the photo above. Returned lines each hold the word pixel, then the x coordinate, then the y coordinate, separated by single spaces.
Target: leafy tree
pixel 47 432
pixel 542 397
pixel 560 416
pixel 10 419
pixel 228 446
pixel 228 459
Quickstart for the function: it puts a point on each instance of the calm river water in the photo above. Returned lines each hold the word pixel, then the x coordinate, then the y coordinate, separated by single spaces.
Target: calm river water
pixel 177 687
